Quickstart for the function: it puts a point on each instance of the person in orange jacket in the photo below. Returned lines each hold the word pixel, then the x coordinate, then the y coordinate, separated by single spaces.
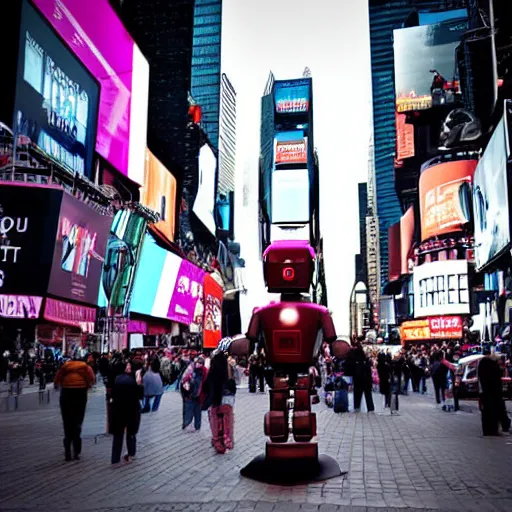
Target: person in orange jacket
pixel 75 378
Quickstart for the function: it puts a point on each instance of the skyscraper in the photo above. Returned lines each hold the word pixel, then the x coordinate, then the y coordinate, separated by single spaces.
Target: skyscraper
pixel 385 16
pixel 206 53
pixel 227 137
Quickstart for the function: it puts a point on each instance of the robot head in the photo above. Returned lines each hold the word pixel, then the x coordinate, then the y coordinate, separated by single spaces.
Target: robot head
pixel 288 266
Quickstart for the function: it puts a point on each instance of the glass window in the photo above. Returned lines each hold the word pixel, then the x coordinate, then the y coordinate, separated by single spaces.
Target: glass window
pixel 207 9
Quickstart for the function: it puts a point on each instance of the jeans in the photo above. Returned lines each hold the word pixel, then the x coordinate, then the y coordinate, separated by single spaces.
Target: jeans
pixel 156 403
pixel 192 411
pixel 117 446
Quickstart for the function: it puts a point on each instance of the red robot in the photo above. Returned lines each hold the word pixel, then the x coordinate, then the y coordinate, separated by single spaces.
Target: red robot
pixel 290 332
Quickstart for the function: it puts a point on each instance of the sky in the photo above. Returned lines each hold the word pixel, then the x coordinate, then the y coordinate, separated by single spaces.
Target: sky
pixel 284 36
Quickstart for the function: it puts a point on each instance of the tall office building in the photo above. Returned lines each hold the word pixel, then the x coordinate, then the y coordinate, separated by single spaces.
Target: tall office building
pixel 363 208
pixel 385 16
pixel 227 138
pixel 206 54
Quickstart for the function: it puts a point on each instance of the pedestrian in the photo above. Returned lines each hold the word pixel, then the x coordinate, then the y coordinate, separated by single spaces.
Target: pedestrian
pixel 193 393
pixel 221 387
pixel 384 371
pixel 360 368
pixel 125 401
pixel 439 373
pixel 75 378
pixel 153 387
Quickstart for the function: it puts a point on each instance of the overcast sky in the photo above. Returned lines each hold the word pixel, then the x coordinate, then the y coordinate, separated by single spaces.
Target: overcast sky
pixel 284 36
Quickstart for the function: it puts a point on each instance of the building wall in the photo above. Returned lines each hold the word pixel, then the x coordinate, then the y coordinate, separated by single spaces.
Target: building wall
pixel 227 137
pixel 363 207
pixel 206 55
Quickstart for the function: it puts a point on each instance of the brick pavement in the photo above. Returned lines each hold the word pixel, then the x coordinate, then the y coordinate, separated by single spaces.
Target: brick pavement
pixel 423 459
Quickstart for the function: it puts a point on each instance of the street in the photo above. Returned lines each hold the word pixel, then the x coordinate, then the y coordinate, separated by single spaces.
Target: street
pixel 422 459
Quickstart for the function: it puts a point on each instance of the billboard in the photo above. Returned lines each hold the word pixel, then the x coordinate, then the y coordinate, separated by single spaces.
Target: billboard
pixel 212 327
pixel 121 258
pixel 404 138
pixel 407 227
pixel 425 64
pixel 490 198
pixel 204 203
pixel 56 99
pixel 441 288
pixel 434 328
pixel 292 96
pixel 291 151
pixel 159 194
pixel 80 248
pixel 444 197
pixel 29 216
pixel 116 62
pixel 394 251
pixel 290 196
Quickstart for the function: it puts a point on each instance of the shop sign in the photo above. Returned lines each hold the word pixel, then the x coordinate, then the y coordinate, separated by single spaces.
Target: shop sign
pixel 20 306
pixel 445 327
pixel 415 330
pixel 70 314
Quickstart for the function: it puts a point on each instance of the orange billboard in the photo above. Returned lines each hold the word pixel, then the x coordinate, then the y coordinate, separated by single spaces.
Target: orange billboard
pixel 404 138
pixel 291 152
pixel 443 204
pixel 406 240
pixel 159 194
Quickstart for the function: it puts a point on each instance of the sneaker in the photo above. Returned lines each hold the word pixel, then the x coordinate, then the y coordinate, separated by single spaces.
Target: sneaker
pixel 127 459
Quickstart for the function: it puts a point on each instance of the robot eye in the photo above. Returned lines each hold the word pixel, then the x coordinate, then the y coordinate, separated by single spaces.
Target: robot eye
pixel 288 274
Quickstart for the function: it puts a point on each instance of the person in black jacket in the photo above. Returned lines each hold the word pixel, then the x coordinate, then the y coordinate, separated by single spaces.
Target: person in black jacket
pixel 384 371
pixel 360 369
pixel 125 399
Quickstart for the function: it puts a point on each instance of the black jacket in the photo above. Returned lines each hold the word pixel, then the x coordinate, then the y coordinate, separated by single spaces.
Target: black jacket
pixel 125 404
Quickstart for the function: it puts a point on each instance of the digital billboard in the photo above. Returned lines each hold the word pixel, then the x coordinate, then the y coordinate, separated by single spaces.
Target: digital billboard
pixel 434 328
pixel 204 203
pixel 29 216
pixel 292 96
pixel 491 198
pixel 291 151
pixel 212 328
pixel 441 288
pixel 290 196
pixel 407 229
pixel 159 195
pixel 109 53
pixel 56 100
pixel 444 197
pixel 425 64
pixel 80 248
pixel 404 138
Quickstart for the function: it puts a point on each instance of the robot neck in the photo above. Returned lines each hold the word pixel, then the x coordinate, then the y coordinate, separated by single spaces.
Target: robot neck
pixel 292 297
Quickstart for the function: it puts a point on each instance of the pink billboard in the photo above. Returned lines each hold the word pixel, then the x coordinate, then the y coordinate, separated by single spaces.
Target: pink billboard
pixel 98 38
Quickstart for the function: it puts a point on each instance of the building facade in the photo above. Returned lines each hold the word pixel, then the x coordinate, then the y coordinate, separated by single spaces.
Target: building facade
pixel 227 138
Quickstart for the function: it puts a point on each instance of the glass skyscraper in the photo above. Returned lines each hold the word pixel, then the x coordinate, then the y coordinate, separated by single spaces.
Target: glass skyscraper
pixel 227 137
pixel 206 52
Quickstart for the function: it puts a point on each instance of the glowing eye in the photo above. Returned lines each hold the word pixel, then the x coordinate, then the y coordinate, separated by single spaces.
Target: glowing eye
pixel 289 316
pixel 288 274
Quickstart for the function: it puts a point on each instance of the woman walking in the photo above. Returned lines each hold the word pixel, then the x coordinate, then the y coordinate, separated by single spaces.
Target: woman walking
pixel 221 386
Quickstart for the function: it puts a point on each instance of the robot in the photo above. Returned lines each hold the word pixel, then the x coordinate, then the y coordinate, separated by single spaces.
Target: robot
pixel 290 332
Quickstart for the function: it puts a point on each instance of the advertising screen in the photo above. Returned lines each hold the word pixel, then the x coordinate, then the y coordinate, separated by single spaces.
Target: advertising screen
pixel 434 328
pixel 204 203
pixel 441 288
pixel 27 237
pixel 291 152
pixel 80 248
pixel 407 227
pixel 159 194
pixel 444 204
pixel 122 71
pixel 404 138
pixel 425 64
pixel 56 101
pixel 290 196
pixel 292 96
pixel 121 258
pixel 212 328
pixel 187 298
pixel 394 250
pixel 490 198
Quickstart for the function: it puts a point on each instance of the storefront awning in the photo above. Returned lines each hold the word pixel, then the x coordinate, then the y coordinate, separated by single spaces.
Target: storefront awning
pixel 66 313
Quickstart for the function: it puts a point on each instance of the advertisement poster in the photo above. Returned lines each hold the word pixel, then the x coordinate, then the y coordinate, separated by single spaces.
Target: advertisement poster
pixel 188 294
pixel 212 328
pixel 490 198
pixel 425 64
pixel 290 196
pixel 29 216
pixel 291 152
pixel 159 195
pixel 56 101
pixel 292 96
pixel 204 203
pixel 121 257
pixel 122 71
pixel 435 328
pixel 441 288
pixel 80 248
pixel 444 195
pixel 404 139
pixel 407 228
pixel 20 306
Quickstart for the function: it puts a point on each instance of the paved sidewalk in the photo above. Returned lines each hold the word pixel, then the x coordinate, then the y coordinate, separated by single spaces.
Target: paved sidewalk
pixel 424 459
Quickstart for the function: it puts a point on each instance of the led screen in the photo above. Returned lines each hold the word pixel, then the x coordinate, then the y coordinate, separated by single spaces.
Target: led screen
pixel 204 203
pixel 290 196
pixel 292 96
pixel 56 98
